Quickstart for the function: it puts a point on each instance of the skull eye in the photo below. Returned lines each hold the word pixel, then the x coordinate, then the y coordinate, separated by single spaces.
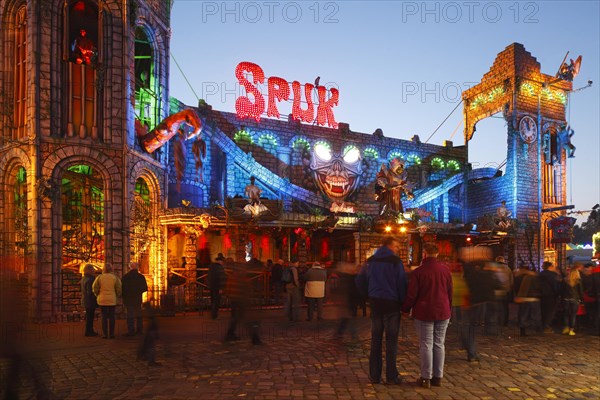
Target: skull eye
pixel 351 155
pixel 323 151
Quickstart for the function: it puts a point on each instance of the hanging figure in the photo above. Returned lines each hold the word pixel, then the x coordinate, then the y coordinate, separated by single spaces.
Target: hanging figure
pixel 390 185
pixel 564 140
pixel 254 206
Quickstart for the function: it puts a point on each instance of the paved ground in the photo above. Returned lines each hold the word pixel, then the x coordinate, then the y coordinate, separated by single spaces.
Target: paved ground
pixel 299 360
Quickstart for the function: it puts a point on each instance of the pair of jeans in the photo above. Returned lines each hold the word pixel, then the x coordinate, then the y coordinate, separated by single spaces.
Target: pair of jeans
pixel 468 319
pixel 312 301
pixel 134 316
pixel 548 308
pixel 530 315
pixel 108 320
pixel 390 323
pixel 432 335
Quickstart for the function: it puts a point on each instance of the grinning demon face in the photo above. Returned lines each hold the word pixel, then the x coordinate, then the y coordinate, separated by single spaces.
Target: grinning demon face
pixel 336 175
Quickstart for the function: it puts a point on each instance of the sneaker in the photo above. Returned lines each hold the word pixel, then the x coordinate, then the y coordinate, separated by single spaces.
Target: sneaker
pixel 565 330
pixel 425 383
pixel 436 381
pixel 571 332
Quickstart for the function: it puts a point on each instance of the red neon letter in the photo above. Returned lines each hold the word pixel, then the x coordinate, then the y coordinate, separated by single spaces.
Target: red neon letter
pixel 325 109
pixel 243 106
pixel 307 115
pixel 278 89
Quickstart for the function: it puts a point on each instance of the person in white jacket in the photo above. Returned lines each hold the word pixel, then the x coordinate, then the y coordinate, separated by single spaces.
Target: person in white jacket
pixel 314 290
pixel 107 288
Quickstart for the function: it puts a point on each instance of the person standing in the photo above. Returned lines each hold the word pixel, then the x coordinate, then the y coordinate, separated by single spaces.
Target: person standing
pixel 289 276
pixel 239 290
pixel 314 290
pixel 504 295
pixel 383 280
pixel 430 299
pixel 88 299
pixel 107 288
pixel 276 280
pixel 550 284
pixel 216 283
pixel 134 285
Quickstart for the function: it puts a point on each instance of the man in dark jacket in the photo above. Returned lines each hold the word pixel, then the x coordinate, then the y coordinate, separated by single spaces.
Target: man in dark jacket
pixel 88 299
pixel 216 283
pixel 384 281
pixel 134 285
pixel 430 298
pixel 550 287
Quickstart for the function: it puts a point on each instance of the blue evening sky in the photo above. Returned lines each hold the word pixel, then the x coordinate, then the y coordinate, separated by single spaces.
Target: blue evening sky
pixel 399 65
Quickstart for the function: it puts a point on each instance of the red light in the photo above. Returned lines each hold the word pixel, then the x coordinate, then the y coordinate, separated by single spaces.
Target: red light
pixel 468 239
pixel 79 6
pixel 298 113
pixel 278 89
pixel 325 109
pixel 243 106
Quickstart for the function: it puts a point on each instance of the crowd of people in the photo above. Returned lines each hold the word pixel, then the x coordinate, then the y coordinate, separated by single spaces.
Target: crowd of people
pixel 472 294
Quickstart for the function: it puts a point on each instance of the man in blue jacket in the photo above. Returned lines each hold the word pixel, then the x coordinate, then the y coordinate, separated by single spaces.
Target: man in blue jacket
pixel 383 280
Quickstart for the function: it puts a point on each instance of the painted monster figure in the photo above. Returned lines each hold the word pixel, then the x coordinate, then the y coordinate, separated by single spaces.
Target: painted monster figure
pixel 337 175
pixel 390 185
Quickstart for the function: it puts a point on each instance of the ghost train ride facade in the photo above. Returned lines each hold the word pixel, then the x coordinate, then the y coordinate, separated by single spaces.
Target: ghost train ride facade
pixel 99 165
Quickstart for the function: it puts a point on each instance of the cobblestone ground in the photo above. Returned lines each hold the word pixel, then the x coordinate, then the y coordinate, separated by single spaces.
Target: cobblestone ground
pixel 297 360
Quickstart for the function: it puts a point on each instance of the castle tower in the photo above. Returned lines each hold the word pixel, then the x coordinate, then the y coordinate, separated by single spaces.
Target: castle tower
pixel 533 105
pixel 76 77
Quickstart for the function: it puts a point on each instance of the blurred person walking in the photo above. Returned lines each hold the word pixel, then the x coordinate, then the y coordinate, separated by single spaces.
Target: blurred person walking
pixel 239 291
pixel 527 296
pixel 289 277
pixel 573 297
pixel 550 287
pixel 383 280
pixel 107 288
pixel 429 298
pixel 134 286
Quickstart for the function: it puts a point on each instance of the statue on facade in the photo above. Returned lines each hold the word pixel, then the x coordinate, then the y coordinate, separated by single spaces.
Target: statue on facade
pixel 564 140
pixel 391 183
pixel 503 214
pixel 254 206
pixel 83 50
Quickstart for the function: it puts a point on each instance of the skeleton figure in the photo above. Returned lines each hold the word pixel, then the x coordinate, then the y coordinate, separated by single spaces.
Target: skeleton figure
pixel 390 185
pixel 503 216
pixel 337 175
pixel 564 140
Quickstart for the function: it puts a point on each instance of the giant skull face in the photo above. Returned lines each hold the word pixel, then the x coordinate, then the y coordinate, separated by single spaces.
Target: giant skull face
pixel 337 175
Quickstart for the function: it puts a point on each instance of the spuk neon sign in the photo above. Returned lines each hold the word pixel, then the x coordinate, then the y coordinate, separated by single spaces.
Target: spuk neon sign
pixel 279 90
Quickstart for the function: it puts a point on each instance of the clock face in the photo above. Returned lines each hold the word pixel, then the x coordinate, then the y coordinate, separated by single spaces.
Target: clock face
pixel 528 129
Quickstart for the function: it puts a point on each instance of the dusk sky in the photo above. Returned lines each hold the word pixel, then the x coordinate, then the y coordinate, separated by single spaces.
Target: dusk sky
pixel 399 65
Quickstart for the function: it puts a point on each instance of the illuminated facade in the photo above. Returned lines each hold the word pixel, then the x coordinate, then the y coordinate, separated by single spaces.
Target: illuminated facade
pixel 85 175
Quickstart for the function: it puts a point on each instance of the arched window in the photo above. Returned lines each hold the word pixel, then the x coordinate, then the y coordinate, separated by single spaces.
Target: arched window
pixel 147 101
pixel 82 199
pixel 19 70
pixel 83 50
pixel 143 235
pixel 16 228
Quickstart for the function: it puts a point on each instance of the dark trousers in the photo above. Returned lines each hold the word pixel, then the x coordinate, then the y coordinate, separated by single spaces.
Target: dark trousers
pixel 312 301
pixel 530 315
pixel 134 315
pixel 89 320
pixel 108 320
pixel 239 312
pixel 548 308
pixel 390 323
pixel 215 303
pixel 468 319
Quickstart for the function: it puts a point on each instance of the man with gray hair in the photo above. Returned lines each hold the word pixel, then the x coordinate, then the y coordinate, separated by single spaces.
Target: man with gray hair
pixel 134 285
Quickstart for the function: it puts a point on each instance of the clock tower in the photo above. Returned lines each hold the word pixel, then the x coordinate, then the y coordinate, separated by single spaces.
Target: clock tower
pixel 533 105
